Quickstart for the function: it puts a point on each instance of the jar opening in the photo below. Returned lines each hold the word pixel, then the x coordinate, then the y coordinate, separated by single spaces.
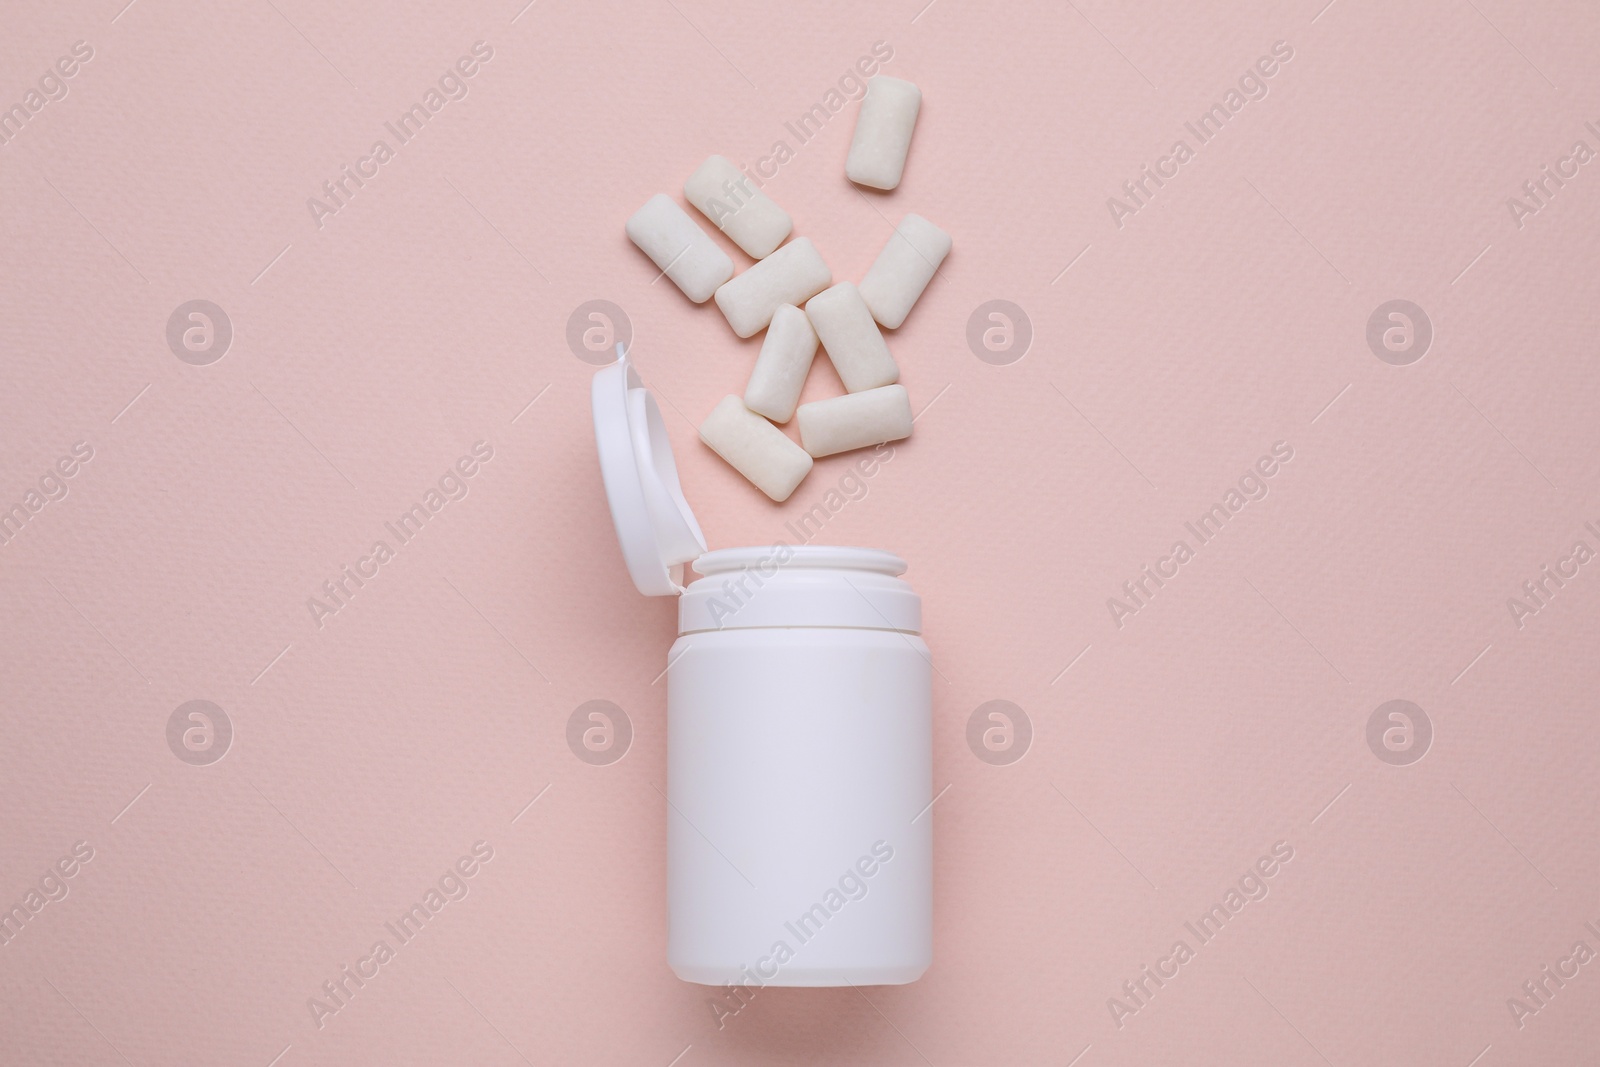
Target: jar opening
pixel 823 557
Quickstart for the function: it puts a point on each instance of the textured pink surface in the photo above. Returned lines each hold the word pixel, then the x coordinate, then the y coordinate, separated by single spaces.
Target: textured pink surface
pixel 1169 353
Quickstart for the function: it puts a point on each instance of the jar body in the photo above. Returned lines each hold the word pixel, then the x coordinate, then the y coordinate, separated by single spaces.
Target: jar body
pixel 799 781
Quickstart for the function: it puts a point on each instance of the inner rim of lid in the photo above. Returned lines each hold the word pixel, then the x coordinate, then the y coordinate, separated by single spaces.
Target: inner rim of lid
pixel 829 557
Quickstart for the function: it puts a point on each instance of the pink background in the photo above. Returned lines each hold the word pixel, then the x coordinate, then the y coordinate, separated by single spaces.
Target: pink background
pixel 368 355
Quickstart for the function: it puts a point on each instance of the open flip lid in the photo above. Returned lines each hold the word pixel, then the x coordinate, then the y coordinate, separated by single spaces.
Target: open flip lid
pixel 655 527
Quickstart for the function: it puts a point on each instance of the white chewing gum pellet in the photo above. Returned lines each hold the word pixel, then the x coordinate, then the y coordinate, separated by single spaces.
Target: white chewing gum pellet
pixel 790 275
pixel 781 368
pixel 903 269
pixel 855 420
pixel 683 251
pixel 755 448
pixel 730 199
pixel 844 326
pixel 883 133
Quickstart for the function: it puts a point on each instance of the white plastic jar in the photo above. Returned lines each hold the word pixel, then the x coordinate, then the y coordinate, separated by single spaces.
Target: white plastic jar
pixel 799 736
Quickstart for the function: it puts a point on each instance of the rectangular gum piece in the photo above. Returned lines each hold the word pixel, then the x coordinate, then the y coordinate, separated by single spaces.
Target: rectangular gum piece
pixel 903 269
pixel 679 248
pixel 733 203
pixel 882 137
pixel 855 345
pixel 855 420
pixel 781 368
pixel 755 448
pixel 791 275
